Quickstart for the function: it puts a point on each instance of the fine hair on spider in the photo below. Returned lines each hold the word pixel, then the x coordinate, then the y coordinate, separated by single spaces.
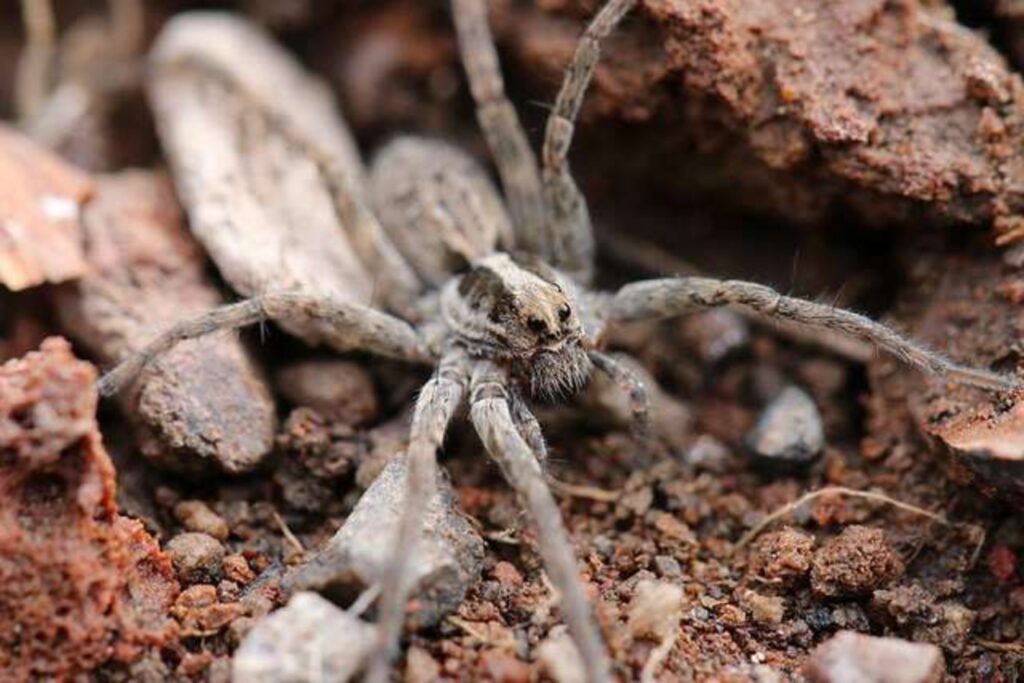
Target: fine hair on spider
pixel 507 314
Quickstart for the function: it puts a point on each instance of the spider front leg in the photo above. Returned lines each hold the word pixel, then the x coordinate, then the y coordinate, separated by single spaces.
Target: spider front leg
pixel 345 326
pixel 491 414
pixel 516 162
pixel 440 398
pixel 568 216
pixel 653 299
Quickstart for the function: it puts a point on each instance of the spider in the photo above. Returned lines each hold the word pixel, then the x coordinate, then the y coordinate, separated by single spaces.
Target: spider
pixel 508 316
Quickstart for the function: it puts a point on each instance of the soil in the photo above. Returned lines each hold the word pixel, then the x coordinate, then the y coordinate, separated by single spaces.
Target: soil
pixel 890 180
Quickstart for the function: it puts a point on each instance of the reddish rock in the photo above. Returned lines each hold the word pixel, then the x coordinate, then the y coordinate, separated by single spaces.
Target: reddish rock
pixel 854 563
pixel 1002 562
pixel 783 555
pixel 80 585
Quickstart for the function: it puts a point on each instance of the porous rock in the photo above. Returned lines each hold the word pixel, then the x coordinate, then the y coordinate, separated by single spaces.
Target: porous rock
pixel 855 563
pixel 448 559
pixel 308 640
pixel 850 657
pixel 202 405
pixel 80 585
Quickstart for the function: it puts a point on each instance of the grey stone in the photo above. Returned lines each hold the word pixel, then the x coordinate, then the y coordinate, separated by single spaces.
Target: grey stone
pixel 789 430
pixel 449 558
pixel 308 640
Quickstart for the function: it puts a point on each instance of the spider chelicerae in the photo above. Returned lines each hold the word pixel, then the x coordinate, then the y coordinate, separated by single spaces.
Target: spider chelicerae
pixel 508 315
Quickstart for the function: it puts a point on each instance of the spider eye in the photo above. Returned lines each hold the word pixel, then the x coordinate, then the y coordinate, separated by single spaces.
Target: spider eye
pixel 536 324
pixel 564 312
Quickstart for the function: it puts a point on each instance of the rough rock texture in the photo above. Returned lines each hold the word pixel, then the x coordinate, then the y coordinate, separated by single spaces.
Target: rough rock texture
pixel 789 431
pixel 850 657
pixel 40 201
pixel 884 107
pixel 966 304
pixel 783 555
pixel 203 403
pixel 339 390
pixel 308 640
pixel 79 584
pixel 450 555
pixel 854 563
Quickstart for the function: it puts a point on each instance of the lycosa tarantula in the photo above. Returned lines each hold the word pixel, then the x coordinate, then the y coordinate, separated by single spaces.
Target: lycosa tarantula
pixel 510 316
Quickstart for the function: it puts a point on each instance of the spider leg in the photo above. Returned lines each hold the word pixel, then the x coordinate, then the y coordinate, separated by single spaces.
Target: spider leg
pixel 627 380
pixel 346 326
pixel 569 219
pixel 31 82
pixel 490 413
pixel 515 159
pixel 529 427
pixel 652 299
pixel 440 398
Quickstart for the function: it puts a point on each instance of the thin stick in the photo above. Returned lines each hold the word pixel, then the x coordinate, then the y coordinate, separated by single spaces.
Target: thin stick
pixel 582 491
pixel 287 533
pixel 658 656
pixel 838 490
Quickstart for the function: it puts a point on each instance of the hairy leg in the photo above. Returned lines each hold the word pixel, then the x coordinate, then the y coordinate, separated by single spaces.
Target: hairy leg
pixel 32 79
pixel 491 415
pixel 346 326
pixel 529 427
pixel 633 386
pixel 568 217
pixel 652 299
pixel 516 162
pixel 437 404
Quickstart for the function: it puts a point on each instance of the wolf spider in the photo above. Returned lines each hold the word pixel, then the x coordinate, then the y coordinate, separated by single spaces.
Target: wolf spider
pixel 509 315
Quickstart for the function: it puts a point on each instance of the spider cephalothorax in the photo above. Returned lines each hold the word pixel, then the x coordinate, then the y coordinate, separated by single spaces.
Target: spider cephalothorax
pixel 511 324
pixel 516 309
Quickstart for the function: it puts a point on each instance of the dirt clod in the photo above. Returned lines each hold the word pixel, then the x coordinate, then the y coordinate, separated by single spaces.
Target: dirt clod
pixel 783 555
pixel 854 563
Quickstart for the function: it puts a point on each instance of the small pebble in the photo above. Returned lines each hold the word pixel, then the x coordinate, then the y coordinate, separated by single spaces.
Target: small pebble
pixel 310 639
pixel 196 557
pixel 560 659
pixel 714 335
pixel 764 609
pixel 667 566
pixel 655 609
pixel 195 515
pixel 709 454
pixel 503 667
pixel 850 657
pixel 506 574
pixel 237 569
pixel 790 429
pixel 420 667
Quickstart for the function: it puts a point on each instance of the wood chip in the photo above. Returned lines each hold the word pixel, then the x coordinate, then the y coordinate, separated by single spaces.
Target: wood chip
pixel 41 197
pixel 268 172
pixel 203 402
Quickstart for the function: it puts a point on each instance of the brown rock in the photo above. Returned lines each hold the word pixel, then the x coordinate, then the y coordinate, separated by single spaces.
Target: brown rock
pixel 850 656
pixel 196 557
pixel 783 555
pixel 41 197
pixel 882 107
pixel 237 569
pixel 340 390
pixel 79 584
pixel 854 563
pixel 201 404
pixel 195 515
